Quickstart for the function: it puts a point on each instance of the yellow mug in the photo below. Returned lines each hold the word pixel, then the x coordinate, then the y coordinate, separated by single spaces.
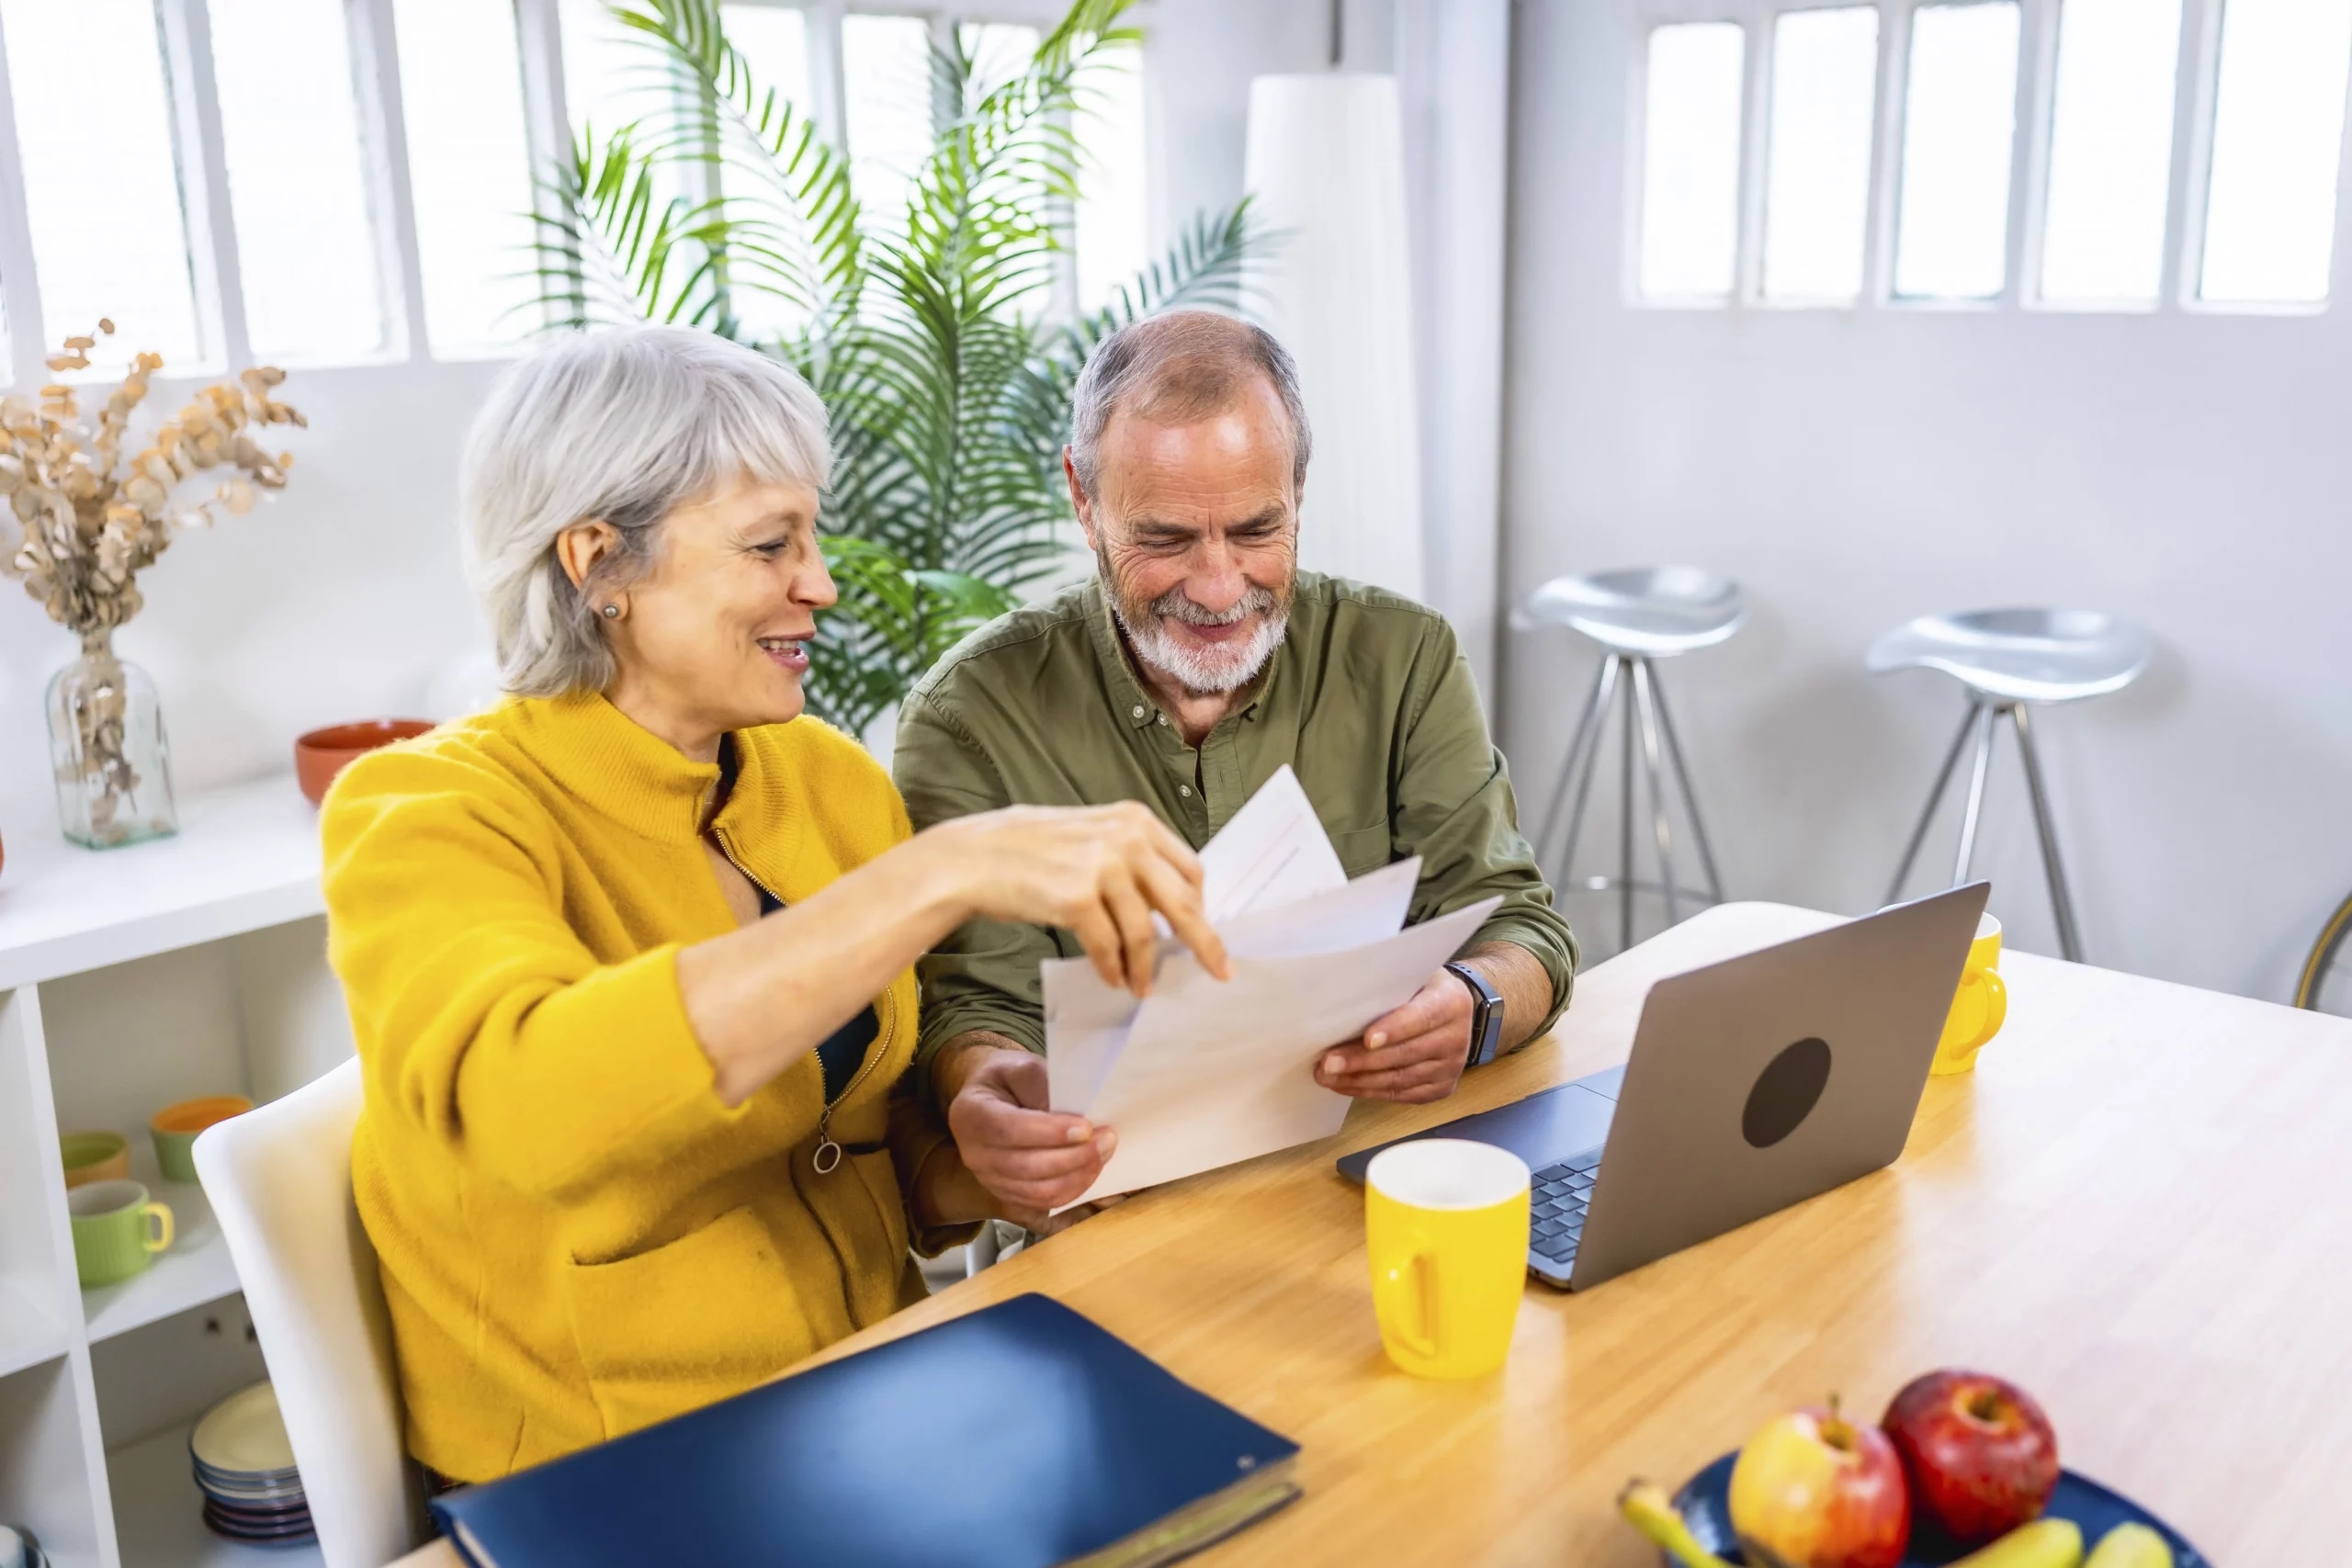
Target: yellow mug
pixel 1979 1007
pixel 1445 1222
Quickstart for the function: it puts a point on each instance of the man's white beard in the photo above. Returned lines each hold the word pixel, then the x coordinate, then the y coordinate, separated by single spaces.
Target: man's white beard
pixel 1201 670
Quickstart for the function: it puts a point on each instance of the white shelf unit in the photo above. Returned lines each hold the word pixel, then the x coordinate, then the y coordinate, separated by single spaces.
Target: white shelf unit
pixel 130 978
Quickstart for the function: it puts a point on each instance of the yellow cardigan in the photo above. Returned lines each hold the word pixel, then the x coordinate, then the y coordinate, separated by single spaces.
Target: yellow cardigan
pixel 576 1236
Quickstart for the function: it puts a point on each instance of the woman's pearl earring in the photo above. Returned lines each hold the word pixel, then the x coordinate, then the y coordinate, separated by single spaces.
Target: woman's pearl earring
pixel 612 612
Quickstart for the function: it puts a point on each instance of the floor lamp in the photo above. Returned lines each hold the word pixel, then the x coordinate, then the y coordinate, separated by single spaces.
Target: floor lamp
pixel 1326 176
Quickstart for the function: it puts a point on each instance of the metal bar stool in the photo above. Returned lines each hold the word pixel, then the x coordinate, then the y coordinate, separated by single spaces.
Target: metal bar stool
pixel 1638 616
pixel 2008 660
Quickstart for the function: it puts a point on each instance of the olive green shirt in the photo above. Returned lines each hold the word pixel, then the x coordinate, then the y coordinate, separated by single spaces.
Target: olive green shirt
pixel 1368 699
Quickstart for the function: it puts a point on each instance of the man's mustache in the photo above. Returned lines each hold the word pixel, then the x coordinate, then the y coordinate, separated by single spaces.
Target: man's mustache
pixel 1255 601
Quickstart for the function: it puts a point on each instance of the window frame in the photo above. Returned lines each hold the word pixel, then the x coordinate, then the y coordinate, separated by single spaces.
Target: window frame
pixel 2195 89
pixel 184 35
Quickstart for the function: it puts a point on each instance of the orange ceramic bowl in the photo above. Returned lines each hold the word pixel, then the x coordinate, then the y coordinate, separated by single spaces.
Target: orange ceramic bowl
pixel 324 754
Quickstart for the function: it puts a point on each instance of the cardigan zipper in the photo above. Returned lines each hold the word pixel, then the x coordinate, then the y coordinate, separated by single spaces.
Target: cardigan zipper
pixel 828 1157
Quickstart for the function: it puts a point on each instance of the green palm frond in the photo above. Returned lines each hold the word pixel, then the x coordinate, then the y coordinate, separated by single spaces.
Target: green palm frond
pixel 926 331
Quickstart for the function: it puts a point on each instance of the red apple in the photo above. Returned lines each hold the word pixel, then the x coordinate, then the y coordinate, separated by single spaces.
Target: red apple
pixel 1981 1456
pixel 1814 1490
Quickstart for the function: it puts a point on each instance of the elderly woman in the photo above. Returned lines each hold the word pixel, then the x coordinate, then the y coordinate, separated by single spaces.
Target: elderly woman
pixel 628 956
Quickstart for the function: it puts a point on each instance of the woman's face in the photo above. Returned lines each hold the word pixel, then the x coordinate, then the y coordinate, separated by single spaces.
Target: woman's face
pixel 715 637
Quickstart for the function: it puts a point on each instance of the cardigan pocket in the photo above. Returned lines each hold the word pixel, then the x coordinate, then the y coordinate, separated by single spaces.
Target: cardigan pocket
pixel 874 1282
pixel 689 1323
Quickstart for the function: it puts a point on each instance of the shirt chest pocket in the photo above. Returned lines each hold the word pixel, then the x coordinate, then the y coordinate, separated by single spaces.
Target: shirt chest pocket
pixel 1362 850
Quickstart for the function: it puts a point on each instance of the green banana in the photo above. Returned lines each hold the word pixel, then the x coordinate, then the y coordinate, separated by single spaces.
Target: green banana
pixel 2130 1546
pixel 2045 1543
pixel 1649 1510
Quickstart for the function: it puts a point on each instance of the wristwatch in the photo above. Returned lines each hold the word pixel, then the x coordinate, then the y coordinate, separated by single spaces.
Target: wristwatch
pixel 1486 1015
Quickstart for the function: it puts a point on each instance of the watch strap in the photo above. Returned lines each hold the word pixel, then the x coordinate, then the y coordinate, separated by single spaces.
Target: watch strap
pixel 1486 1015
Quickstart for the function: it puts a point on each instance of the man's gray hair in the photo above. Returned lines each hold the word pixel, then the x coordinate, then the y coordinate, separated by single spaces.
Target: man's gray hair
pixel 626 426
pixel 1173 369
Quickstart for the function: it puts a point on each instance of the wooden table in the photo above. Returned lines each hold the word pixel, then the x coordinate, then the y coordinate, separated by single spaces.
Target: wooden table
pixel 2138 1207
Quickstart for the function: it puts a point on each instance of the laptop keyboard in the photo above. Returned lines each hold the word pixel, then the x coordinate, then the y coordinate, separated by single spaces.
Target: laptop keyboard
pixel 1557 1196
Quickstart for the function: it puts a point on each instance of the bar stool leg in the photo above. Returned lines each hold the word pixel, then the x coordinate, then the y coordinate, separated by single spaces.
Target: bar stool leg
pixel 1935 799
pixel 1984 715
pixel 1626 830
pixel 1645 699
pixel 1690 796
pixel 1604 693
pixel 1604 682
pixel 2069 941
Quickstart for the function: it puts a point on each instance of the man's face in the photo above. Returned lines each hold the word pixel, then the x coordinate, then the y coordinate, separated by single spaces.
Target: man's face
pixel 1196 530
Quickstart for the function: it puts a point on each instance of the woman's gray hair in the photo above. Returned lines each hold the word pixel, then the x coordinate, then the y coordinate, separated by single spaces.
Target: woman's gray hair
pixel 1174 368
pixel 624 426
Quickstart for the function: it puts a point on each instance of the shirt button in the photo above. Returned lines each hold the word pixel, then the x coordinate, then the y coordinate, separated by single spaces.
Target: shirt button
pixel 1136 712
pixel 1184 790
pixel 1163 719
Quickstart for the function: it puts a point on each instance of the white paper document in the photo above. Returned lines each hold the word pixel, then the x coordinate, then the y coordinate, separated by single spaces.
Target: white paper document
pixel 1205 1072
pixel 1271 851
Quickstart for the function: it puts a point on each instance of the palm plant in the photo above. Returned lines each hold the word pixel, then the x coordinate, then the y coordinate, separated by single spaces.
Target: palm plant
pixel 929 334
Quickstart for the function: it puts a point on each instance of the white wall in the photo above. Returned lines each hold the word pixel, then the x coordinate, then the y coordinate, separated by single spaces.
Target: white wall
pixel 1857 469
pixel 344 597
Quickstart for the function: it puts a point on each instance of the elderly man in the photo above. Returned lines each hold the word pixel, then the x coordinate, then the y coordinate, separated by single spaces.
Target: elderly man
pixel 1194 664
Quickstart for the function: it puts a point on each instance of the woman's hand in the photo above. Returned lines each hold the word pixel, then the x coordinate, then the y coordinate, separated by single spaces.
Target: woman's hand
pixel 763 996
pixel 1099 871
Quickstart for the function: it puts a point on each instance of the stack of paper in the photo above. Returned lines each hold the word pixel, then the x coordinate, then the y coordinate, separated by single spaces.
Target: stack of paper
pixel 1205 1072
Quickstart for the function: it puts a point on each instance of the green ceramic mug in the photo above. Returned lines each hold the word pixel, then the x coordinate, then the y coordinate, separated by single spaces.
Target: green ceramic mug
pixel 117 1231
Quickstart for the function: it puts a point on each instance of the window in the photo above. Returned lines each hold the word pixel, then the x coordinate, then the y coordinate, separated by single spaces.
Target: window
pixel 1690 161
pixel 102 191
pixel 469 170
pixel 1960 120
pixel 1817 202
pixel 774 43
pixel 290 126
pixel 1112 227
pixel 2110 152
pixel 334 232
pixel 999 51
pixel 886 63
pixel 2277 131
pixel 614 77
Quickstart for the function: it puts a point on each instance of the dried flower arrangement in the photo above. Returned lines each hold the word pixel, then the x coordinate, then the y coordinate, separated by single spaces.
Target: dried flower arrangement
pixel 87 521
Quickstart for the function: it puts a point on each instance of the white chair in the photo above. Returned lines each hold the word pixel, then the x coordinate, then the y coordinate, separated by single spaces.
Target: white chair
pixel 279 1178
pixel 2007 660
pixel 1638 616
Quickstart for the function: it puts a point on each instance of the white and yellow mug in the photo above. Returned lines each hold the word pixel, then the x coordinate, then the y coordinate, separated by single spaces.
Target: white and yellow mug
pixel 1445 1224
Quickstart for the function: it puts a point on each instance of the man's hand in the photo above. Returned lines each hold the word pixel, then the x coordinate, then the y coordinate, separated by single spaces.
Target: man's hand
pixel 1032 1159
pixel 1415 1053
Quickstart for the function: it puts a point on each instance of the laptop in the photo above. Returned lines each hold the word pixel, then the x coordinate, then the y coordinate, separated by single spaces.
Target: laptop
pixel 1753 1084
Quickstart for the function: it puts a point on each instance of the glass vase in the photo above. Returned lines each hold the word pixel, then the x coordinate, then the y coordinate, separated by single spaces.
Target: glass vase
pixel 107 748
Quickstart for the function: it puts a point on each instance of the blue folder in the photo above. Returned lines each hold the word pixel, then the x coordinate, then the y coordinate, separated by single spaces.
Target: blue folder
pixel 1016 1436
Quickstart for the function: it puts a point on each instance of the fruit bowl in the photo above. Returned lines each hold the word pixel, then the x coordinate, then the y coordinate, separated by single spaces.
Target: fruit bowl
pixel 1705 1507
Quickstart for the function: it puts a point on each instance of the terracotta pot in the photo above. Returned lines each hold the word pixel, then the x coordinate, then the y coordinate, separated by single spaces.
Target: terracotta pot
pixel 322 753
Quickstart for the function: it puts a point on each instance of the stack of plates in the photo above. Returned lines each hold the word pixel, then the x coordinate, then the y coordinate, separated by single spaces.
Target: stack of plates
pixel 244 1467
